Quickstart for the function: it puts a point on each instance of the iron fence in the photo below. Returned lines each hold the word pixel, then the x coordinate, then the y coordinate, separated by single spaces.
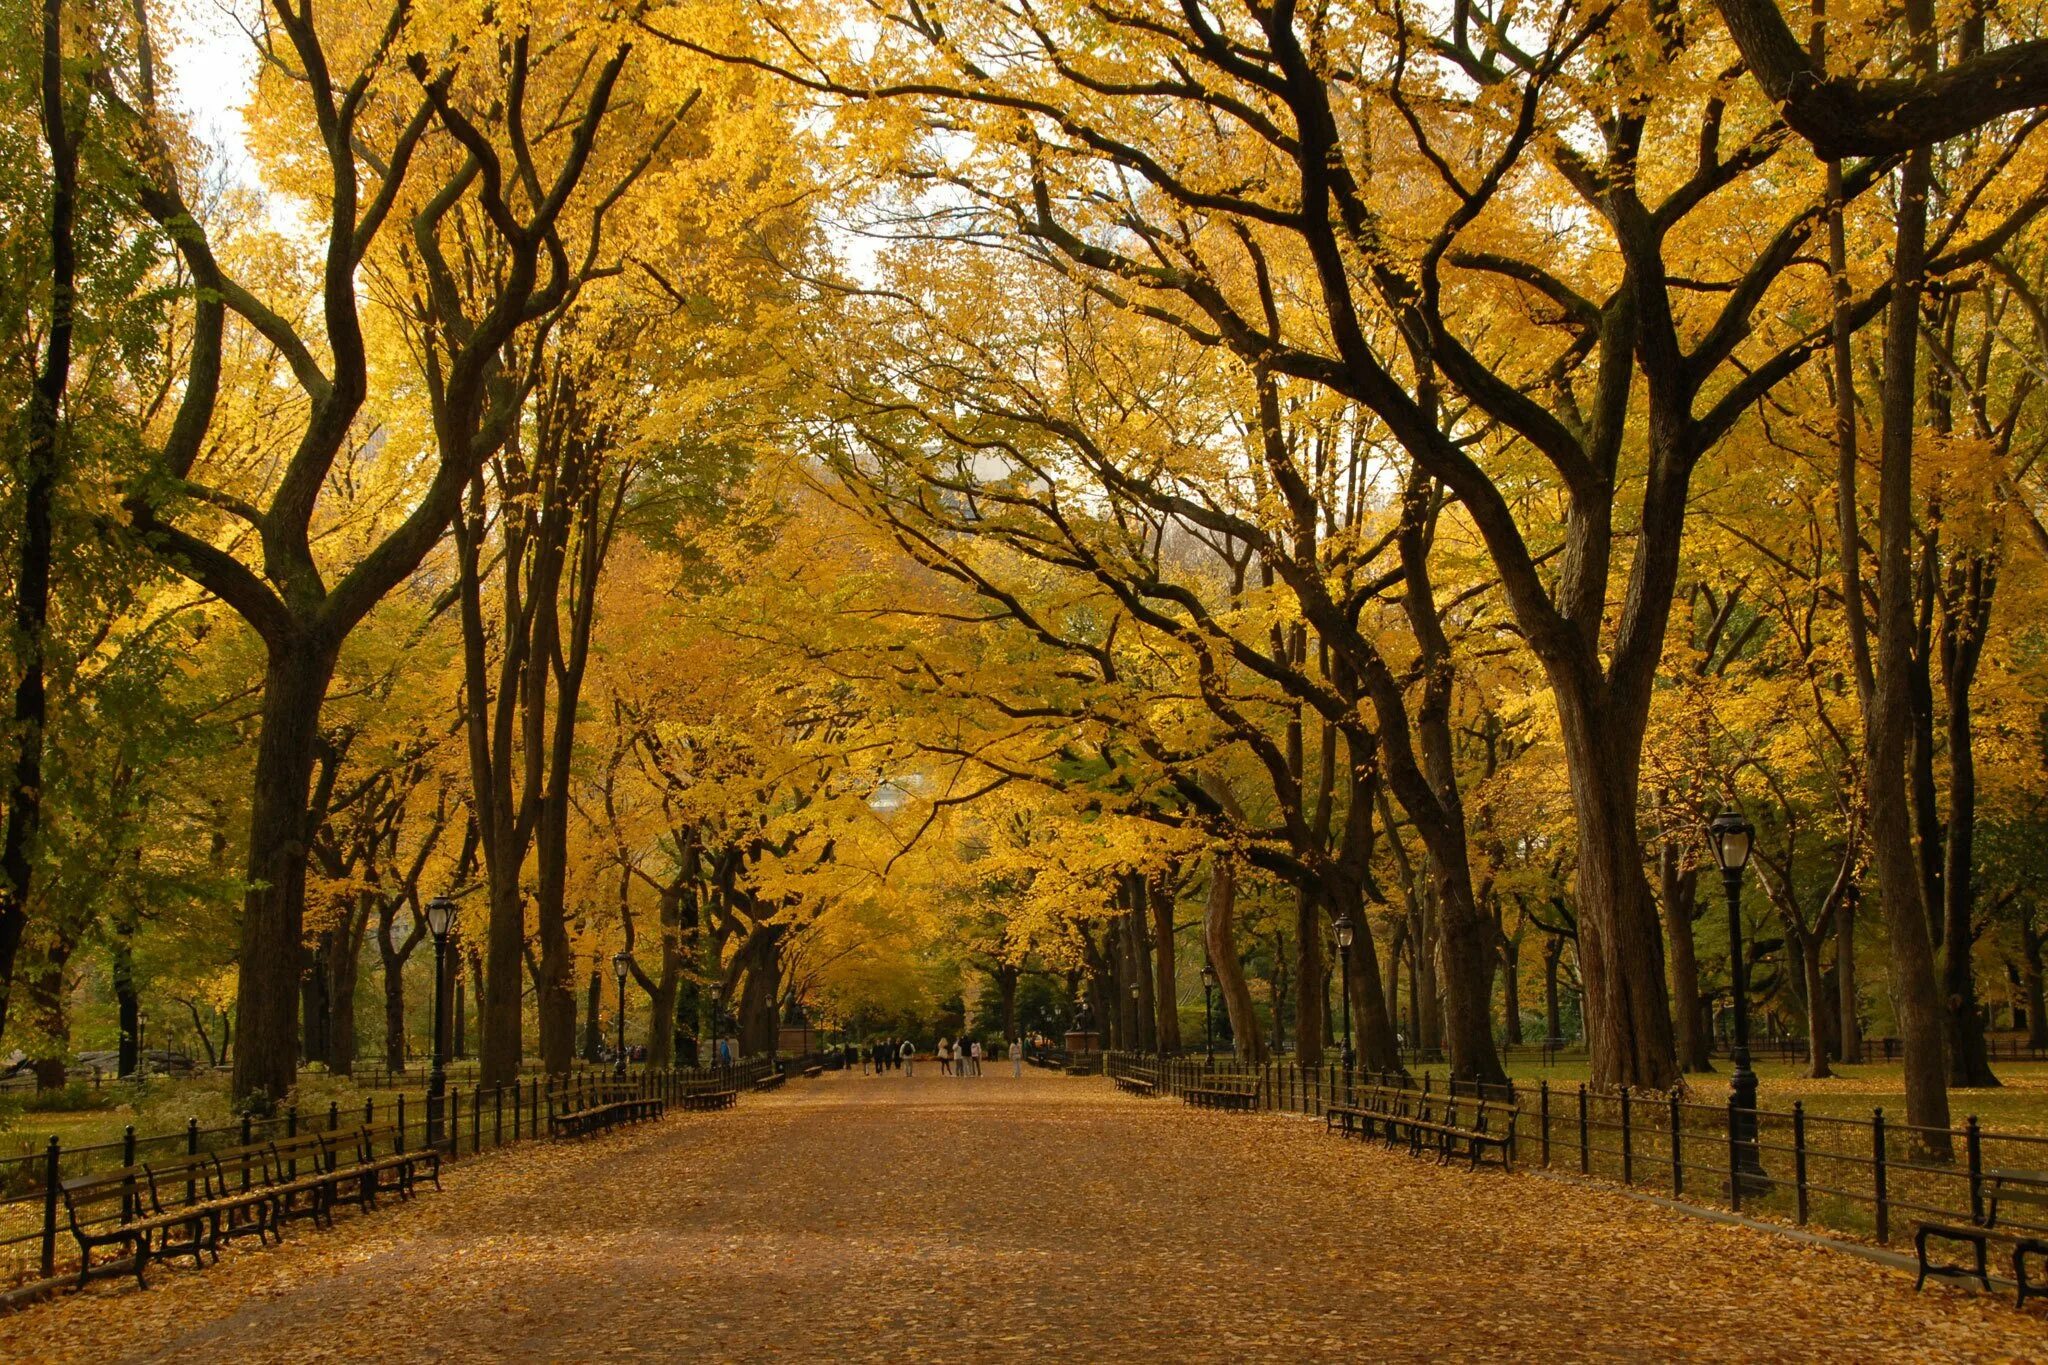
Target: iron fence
pixel 35 1237
pixel 1870 1178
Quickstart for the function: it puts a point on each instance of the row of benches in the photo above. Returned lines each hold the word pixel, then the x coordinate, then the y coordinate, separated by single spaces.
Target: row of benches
pixel 1448 1125
pixel 192 1203
pixel 1136 1083
pixel 603 1108
pixel 1240 1093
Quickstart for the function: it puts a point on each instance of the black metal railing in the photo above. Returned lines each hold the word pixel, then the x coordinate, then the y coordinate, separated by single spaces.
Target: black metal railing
pixel 1871 1178
pixel 35 1237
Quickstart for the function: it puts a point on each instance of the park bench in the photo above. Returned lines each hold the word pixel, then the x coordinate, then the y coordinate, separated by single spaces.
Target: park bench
pixel 813 1071
pixel 1136 1083
pixel 244 1183
pixel 769 1081
pixel 310 1177
pixel 699 1100
pixel 601 1109
pixel 118 1208
pixel 1224 1092
pixel 1427 1122
pixel 2029 1189
pixel 194 1182
pixel 381 1152
pixel 1361 1116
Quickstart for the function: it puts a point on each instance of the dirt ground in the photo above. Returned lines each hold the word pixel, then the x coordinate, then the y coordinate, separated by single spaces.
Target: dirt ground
pixel 878 1218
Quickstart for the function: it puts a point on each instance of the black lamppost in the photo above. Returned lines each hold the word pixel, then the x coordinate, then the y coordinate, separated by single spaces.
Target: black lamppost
pixel 1209 1013
pixel 141 1033
pixel 1730 836
pixel 1137 1030
pixel 619 966
pixel 440 912
pixel 1346 933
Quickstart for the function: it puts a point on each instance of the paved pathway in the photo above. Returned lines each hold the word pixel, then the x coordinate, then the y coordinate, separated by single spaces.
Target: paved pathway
pixel 864 1218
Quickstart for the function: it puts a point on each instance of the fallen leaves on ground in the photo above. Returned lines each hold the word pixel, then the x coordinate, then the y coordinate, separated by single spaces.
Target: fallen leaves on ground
pixel 882 1219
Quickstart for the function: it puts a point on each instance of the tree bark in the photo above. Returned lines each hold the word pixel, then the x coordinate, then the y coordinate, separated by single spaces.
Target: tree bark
pixel 36 478
pixel 1680 890
pixel 1887 715
pixel 1166 985
pixel 1219 936
pixel 288 737
pixel 1847 1017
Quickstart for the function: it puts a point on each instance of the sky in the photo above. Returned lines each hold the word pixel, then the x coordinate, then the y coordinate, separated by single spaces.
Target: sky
pixel 212 64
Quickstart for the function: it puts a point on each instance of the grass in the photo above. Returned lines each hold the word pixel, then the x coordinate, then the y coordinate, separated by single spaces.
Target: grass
pixel 2019 1105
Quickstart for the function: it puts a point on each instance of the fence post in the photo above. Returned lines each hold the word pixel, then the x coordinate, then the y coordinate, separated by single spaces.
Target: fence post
pixel 52 1156
pixel 191 1149
pixel 401 1120
pixel 370 1111
pixel 498 1120
pixel 1543 1106
pixel 1677 1160
pixel 333 1116
pixel 1734 1157
pixel 1884 1212
pixel 1585 1151
pixel 128 1145
pixel 1799 1156
pixel 1973 1144
pixel 1628 1154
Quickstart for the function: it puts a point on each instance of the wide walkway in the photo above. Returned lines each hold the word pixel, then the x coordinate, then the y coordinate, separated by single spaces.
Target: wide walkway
pixel 859 1218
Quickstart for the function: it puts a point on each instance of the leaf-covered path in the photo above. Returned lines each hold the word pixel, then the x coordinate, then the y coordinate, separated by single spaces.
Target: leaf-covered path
pixel 877 1218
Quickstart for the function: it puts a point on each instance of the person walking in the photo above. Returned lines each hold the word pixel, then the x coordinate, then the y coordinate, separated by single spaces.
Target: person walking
pixel 907 1054
pixel 1017 1058
pixel 977 1056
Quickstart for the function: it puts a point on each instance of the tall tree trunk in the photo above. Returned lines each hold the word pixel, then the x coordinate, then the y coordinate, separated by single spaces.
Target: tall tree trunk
pixel 273 908
pixel 1166 979
pixel 1679 886
pixel 1138 948
pixel 1627 1010
pixel 1887 713
pixel 36 478
pixel 1847 1018
pixel 1311 1025
pixel 593 1017
pixel 1965 622
pixel 1219 936
pixel 127 1002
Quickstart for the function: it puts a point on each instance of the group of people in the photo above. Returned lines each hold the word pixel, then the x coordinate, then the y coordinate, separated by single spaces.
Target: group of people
pixel 884 1054
pixel 960 1059
pixel 963 1058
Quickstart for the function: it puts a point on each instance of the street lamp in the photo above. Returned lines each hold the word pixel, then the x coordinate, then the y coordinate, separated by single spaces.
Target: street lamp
pixel 1209 1014
pixel 440 913
pixel 141 1032
pixel 1346 932
pixel 619 966
pixel 1731 837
